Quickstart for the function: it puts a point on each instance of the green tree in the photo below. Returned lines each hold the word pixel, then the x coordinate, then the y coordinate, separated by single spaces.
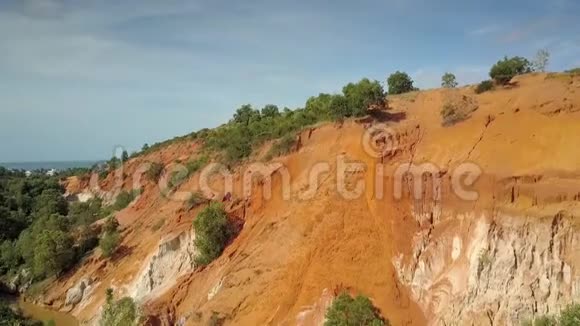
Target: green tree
pixel 213 230
pixel 362 95
pixel 348 311
pixel 9 257
pixel 448 80
pixel 53 252
pixel 504 70
pixel 145 147
pixel 124 156
pixel 270 111
pixel 245 114
pixel 339 108
pixel 399 83
pixel 319 105
pixel 50 202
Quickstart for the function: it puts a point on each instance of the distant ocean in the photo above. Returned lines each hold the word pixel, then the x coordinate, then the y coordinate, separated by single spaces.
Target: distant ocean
pixel 64 165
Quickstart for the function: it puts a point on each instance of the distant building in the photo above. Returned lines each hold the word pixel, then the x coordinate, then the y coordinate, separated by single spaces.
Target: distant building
pixel 51 172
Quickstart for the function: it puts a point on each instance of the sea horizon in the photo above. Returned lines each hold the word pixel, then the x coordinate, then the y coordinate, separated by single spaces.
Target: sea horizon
pixel 49 165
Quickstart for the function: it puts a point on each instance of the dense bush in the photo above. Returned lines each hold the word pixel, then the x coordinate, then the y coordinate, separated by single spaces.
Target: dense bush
pixel 110 237
pixel 451 114
pixel 484 86
pixel 504 70
pixel 213 230
pixel 123 312
pixel 124 198
pixel 109 243
pixel 346 310
pixel 448 80
pixel 363 95
pixel 339 108
pixel 47 246
pixel 88 212
pixel 399 83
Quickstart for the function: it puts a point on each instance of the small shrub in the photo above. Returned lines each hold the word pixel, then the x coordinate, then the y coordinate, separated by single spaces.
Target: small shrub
pixel 451 114
pixel 124 198
pixel 346 310
pixel 109 243
pixel 123 312
pixel 504 70
pixel 197 164
pixel 213 230
pixel 177 178
pixel 484 86
pixel 575 71
pixel 154 172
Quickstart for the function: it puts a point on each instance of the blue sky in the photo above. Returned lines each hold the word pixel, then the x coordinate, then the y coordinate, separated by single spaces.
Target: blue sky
pixel 79 77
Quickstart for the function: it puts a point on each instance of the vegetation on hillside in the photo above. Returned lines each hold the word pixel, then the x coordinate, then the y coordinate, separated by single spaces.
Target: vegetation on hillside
pixel 41 235
pixel 570 316
pixel 346 311
pixel 399 83
pixel 122 312
pixel 484 86
pixel 504 70
pixel 110 238
pixel 213 230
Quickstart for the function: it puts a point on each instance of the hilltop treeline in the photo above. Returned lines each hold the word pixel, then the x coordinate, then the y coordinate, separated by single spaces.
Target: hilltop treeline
pixel 250 127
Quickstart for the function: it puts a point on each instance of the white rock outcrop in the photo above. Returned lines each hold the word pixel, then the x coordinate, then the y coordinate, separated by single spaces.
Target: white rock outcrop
pixel 498 270
pixel 173 258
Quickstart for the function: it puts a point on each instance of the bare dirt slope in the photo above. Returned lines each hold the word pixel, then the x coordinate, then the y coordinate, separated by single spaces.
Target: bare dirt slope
pixel 412 257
